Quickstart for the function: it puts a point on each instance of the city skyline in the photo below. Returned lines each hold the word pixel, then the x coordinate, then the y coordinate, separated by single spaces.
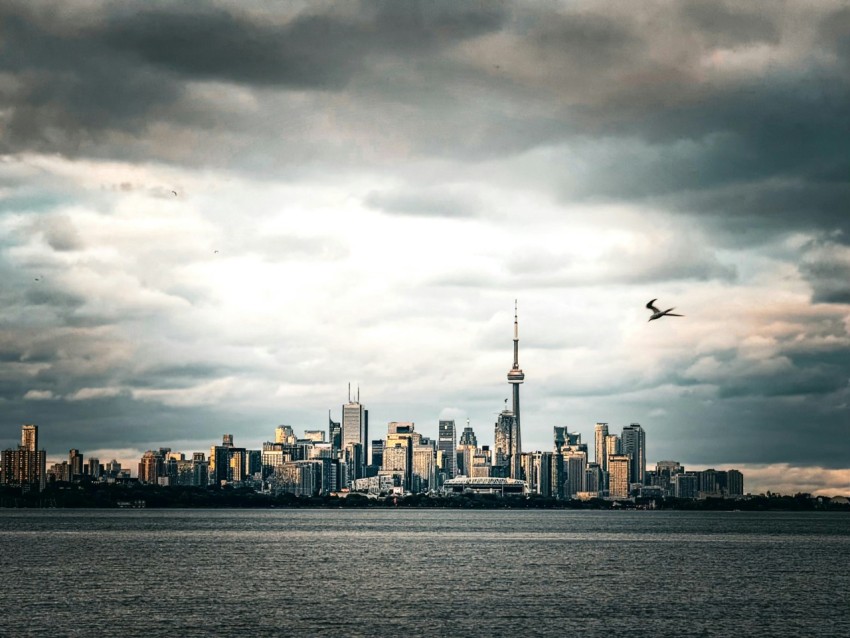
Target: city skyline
pixel 212 219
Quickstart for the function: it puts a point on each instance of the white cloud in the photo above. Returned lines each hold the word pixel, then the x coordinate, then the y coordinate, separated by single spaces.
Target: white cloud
pixel 39 395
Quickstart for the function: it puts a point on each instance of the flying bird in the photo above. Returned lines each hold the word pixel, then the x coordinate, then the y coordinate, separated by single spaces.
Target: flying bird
pixel 175 193
pixel 657 314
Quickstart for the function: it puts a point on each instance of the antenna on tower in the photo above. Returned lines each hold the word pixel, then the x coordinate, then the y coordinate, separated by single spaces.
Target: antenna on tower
pixel 349 391
pixel 358 393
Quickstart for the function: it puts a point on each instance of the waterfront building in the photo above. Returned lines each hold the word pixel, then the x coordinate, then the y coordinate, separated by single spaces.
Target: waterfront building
pixel 27 465
pixel 446 445
pixel 557 475
pixel 685 485
pixel 220 464
pixel 398 461
pixel 253 462
pixel 297 477
pixel 612 447
pixel 237 461
pixel 575 465
pixel 151 467
pixel 355 459
pixel 619 468
pixel 485 485
pixel 664 472
pixel 60 472
pixel 543 467
pixel 530 462
pixel 480 463
pixel 375 485
pixel 734 483
pixel 505 452
pixel 593 479
pixel 75 460
pixel 709 484
pixel 634 444
pixel 93 469
pixel 424 473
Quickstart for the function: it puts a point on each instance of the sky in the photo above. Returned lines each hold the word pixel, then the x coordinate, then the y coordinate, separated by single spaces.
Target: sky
pixel 214 217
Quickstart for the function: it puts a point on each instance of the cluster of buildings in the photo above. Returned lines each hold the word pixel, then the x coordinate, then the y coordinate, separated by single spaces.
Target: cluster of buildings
pixel 343 459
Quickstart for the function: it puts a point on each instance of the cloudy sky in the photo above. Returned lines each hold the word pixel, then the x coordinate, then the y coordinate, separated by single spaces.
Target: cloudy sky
pixel 362 190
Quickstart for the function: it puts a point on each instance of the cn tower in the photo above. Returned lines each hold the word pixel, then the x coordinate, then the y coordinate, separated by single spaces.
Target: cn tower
pixel 515 377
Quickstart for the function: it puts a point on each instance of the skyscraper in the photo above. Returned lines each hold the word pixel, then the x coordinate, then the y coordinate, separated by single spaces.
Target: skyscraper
pixel 29 438
pixel 600 432
pixel 466 448
pixel 506 460
pixel 618 473
pixel 634 444
pixel 515 378
pixel 334 433
pixel 447 444
pixel 355 423
pixel 26 466
pixel 75 461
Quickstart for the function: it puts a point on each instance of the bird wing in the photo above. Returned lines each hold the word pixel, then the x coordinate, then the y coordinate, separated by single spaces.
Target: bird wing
pixel 672 314
pixel 651 307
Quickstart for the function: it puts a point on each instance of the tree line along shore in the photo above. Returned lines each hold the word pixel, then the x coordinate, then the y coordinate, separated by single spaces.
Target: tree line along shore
pixel 150 496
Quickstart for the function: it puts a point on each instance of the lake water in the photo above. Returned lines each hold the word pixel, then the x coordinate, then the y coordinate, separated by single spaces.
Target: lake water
pixel 423 573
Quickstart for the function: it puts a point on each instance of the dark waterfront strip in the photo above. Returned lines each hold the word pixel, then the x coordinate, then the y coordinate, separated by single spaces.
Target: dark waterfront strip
pixel 150 496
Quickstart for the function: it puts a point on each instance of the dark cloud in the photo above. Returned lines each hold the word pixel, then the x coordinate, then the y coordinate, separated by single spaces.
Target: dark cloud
pixel 826 266
pixel 306 51
pixel 433 202
pixel 729 25
pixel 121 71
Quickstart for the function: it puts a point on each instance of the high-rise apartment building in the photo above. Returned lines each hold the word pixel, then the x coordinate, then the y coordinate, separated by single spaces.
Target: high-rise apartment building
pixel 447 444
pixel 29 438
pixel 506 457
pixel 634 444
pixel 151 467
pixel 27 465
pixel 600 456
pixel 75 461
pixel 619 467
pixel 734 483
pixel 575 464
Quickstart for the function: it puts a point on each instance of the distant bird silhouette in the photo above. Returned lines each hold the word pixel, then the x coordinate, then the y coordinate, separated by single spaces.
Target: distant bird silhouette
pixel 175 193
pixel 657 314
pixel 215 251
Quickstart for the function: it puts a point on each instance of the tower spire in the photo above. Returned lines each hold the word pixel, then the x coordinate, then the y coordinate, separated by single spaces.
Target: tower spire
pixel 516 338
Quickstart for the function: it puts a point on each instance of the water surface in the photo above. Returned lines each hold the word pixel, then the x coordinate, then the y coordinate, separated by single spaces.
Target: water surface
pixel 430 572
